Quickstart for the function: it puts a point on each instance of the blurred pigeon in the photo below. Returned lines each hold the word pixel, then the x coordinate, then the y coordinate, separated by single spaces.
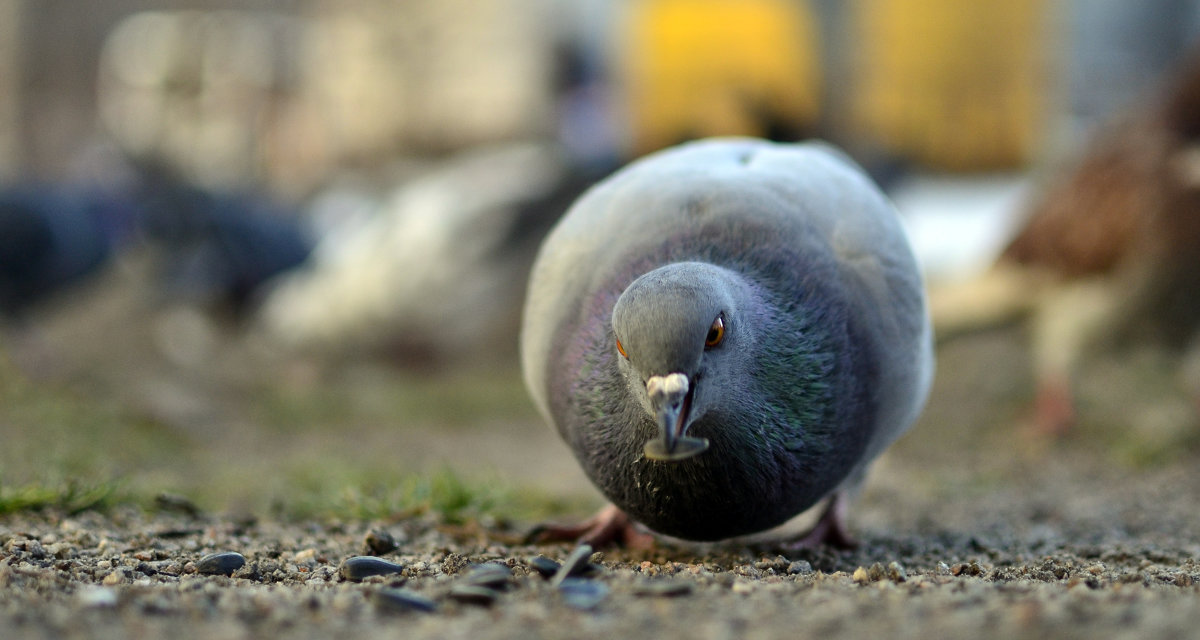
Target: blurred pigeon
pixel 52 236
pixel 725 333
pixel 437 271
pixel 218 249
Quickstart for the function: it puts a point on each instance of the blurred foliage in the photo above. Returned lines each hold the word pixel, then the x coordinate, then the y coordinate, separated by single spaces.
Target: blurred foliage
pixel 69 496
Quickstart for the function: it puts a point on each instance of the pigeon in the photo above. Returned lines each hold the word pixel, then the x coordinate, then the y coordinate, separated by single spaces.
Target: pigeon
pixel 54 236
pixel 222 250
pixel 726 333
pixel 436 275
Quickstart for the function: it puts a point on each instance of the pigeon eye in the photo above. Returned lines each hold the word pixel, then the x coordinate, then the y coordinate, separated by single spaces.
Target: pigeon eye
pixel 716 333
pixel 621 349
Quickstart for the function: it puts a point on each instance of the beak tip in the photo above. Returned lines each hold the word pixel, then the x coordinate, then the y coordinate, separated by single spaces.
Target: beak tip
pixel 682 448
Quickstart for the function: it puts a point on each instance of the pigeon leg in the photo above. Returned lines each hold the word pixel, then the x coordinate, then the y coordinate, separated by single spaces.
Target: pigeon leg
pixel 1054 411
pixel 830 528
pixel 608 527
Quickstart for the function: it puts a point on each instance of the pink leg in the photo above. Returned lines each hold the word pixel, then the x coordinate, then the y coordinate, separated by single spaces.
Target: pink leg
pixel 1054 409
pixel 608 527
pixel 830 528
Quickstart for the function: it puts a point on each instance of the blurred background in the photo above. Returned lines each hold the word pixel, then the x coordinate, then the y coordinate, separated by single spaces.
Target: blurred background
pixel 272 253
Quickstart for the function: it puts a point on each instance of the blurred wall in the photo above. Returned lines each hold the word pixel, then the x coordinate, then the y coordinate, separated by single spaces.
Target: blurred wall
pixel 436 76
pixel 10 87
pixel 956 85
pixel 59 44
pixel 1118 52
pixel 697 68
pixel 289 92
pixel 276 91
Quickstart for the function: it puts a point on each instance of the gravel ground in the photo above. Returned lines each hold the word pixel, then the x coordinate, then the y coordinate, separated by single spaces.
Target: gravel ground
pixel 1047 555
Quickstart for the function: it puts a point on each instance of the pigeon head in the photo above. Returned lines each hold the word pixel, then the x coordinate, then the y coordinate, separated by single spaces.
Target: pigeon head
pixel 680 335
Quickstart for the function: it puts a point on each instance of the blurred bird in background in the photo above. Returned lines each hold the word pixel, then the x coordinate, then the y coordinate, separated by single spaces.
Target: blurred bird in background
pixel 212 249
pixel 435 272
pixel 217 250
pixel 53 237
pixel 1119 235
pixel 1108 267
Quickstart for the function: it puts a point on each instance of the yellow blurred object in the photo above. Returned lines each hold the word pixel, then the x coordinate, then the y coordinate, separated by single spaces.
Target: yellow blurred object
pixel 696 68
pixel 953 84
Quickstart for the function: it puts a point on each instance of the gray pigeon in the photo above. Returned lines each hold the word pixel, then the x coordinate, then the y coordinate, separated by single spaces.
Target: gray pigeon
pixel 725 333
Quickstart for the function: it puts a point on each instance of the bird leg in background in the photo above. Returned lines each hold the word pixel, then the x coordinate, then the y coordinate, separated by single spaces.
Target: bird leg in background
pixel 830 529
pixel 609 526
pixel 1070 321
pixel 1054 406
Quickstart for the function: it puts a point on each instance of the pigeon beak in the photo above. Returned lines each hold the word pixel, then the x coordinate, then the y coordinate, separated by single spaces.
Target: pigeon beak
pixel 671 400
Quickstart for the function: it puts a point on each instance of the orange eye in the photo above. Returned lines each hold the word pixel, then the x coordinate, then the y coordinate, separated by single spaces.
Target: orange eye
pixel 716 333
pixel 621 349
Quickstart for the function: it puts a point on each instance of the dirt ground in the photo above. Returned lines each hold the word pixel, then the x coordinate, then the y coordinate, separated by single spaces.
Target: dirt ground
pixel 1066 549
pixel 972 525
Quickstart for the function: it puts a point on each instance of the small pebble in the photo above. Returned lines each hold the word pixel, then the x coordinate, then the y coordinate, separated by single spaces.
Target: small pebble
pixel 966 569
pixel 402 601
pixel 861 576
pixel 379 542
pixel 743 587
pixel 583 594
pixel 360 567
pixel 472 594
pixel 490 575
pixel 896 573
pixel 663 588
pixel 800 567
pixel 98 597
pixel 575 564
pixel 223 564
pixel 178 504
pixel 544 566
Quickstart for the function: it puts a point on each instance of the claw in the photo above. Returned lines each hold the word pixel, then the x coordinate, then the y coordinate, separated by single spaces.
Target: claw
pixel 610 526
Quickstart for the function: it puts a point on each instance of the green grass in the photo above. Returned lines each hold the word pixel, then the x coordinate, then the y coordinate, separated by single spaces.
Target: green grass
pixel 294 451
pixel 445 494
pixel 68 496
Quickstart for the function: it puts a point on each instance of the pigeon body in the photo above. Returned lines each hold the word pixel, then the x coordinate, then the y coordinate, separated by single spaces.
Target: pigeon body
pixel 727 332
pixel 54 236
pixel 439 268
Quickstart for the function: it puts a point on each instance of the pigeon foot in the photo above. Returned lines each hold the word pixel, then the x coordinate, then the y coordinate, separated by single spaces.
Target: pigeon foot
pixel 1054 411
pixel 830 529
pixel 610 526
